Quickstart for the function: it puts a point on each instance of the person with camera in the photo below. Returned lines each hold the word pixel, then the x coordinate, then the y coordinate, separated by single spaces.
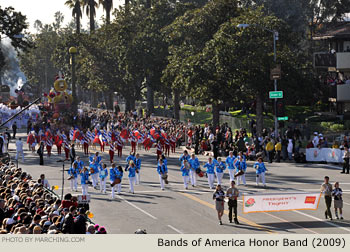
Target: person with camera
pixel 219 196
pixel 232 195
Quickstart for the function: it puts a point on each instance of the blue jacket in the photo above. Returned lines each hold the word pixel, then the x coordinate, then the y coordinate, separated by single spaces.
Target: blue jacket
pixel 260 167
pixel 130 157
pixel 138 163
pixel 229 162
pixel 80 164
pixel 210 168
pixel 162 169
pixel 73 172
pixel 185 172
pixel 112 174
pixel 220 167
pixel 84 177
pixel 183 157
pixel 103 173
pixel 132 171
pixel 241 165
pixel 95 165
pixel 194 163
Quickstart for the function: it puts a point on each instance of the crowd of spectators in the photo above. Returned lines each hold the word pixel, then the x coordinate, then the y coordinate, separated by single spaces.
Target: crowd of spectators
pixel 27 206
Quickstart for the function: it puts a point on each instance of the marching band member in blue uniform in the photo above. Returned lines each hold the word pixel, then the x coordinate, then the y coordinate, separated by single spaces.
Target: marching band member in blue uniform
pixel 260 171
pixel 241 165
pixel 184 156
pixel 112 177
pixel 220 168
pixel 84 180
pixel 230 165
pixel 73 173
pixel 79 163
pixel 162 171
pixel 95 166
pixel 103 177
pixel 138 168
pixel 210 172
pixel 131 157
pixel 119 173
pixel 185 168
pixel 132 175
pixel 194 163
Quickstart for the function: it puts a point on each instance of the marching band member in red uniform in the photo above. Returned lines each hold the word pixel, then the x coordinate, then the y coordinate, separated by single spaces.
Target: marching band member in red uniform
pixel 173 143
pixel 167 146
pixel 31 141
pixel 66 146
pixel 85 141
pixel 159 150
pixel 48 146
pixel 111 151
pixel 119 143
pixel 58 142
pixel 133 143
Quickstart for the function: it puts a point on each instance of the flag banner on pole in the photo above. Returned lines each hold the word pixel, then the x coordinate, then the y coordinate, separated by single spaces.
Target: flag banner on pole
pixel 256 203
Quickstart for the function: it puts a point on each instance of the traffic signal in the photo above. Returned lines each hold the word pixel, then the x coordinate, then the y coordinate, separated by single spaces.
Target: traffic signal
pixel 280 109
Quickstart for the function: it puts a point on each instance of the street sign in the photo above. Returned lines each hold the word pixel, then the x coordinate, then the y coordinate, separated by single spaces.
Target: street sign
pixel 275 94
pixel 284 118
pixel 83 199
pixel 275 73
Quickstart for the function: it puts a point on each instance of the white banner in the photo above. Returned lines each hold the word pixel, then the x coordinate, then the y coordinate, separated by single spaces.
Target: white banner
pixel 328 155
pixel 280 202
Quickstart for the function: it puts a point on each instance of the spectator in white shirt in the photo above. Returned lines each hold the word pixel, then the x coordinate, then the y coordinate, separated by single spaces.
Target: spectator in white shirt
pixel 315 140
pixel 44 181
pixel 19 149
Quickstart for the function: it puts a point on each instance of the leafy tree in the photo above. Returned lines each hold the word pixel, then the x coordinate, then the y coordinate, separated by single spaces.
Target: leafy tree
pixel 90 9
pixel 107 6
pixel 188 36
pixel 12 24
pixel 75 5
pixel 246 56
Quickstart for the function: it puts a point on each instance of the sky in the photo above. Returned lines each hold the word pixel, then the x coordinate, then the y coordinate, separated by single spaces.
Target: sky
pixel 44 10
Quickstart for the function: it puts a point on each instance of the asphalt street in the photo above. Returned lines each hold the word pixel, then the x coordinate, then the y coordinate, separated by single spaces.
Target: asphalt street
pixel 176 210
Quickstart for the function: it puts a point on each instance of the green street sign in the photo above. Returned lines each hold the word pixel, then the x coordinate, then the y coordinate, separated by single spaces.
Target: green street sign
pixel 275 94
pixel 285 118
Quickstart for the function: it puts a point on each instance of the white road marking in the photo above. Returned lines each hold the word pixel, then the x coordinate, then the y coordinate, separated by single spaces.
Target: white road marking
pixel 175 229
pixel 141 210
pixel 291 223
pixel 328 222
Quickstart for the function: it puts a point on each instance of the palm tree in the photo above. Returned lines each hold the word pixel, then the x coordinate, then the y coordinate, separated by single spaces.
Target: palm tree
pixel 75 5
pixel 107 6
pixel 90 8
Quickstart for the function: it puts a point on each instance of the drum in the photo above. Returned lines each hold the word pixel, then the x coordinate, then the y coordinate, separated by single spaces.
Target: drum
pixel 239 173
pixel 165 178
pixel 115 182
